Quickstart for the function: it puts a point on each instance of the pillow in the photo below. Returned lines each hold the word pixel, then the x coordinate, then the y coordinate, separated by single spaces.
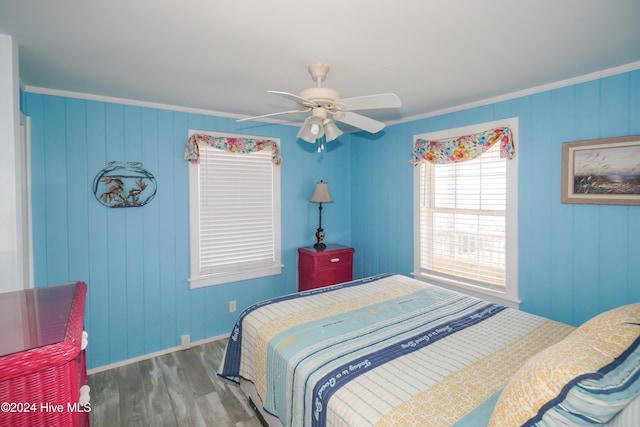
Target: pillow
pixel 585 379
pixel 611 319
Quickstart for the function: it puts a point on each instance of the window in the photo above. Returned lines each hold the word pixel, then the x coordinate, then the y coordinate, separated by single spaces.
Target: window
pixel 234 210
pixel 466 220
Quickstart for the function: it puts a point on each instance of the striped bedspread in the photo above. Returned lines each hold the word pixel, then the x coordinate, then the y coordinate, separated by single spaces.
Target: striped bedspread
pixel 386 350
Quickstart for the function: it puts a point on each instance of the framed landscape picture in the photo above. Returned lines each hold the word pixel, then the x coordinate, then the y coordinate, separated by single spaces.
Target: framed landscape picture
pixel 602 171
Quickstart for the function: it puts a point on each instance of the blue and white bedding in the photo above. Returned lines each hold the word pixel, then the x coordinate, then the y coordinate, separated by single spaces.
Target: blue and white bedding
pixel 386 350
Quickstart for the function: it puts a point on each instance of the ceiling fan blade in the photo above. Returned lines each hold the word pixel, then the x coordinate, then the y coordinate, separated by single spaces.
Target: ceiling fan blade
pixel 383 100
pixel 296 98
pixel 271 114
pixel 359 121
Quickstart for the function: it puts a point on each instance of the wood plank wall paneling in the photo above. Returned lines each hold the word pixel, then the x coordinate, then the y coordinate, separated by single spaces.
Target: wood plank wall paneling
pixel 560 284
pixel 574 260
pixel 614 242
pixel 97 307
pixel 56 194
pixel 381 206
pixel 586 217
pixel 136 260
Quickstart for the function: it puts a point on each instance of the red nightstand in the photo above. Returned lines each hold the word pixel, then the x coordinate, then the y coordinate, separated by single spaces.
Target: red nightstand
pixel 323 268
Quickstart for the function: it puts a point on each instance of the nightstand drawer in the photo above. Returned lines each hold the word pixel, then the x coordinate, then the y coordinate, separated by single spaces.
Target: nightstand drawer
pixel 336 259
pixel 333 275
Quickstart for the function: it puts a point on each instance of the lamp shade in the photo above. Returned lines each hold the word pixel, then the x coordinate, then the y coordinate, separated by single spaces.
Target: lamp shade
pixel 331 131
pixel 321 193
pixel 311 129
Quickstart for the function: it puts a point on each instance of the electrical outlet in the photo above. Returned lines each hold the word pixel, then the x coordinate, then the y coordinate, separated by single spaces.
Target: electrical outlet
pixel 232 306
pixel 185 341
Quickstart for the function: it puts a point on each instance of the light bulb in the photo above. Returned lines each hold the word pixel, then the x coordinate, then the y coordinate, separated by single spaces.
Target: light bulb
pixel 315 129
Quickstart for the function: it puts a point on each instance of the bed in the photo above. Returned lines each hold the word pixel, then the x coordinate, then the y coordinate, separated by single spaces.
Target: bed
pixel 393 350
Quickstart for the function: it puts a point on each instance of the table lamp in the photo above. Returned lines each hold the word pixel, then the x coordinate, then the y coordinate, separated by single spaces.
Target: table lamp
pixel 320 195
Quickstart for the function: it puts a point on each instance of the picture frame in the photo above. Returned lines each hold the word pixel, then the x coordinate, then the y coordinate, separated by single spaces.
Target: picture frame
pixel 602 171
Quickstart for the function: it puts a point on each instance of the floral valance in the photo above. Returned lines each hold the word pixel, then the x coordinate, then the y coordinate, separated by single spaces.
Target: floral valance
pixel 231 144
pixel 464 148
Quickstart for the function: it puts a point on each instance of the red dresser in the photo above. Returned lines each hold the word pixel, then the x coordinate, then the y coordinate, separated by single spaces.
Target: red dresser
pixel 42 358
pixel 323 268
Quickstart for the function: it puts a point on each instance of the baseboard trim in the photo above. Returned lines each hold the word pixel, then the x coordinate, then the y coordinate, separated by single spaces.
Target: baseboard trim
pixel 154 354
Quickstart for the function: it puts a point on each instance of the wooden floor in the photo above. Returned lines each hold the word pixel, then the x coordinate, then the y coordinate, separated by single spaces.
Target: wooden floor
pixel 176 389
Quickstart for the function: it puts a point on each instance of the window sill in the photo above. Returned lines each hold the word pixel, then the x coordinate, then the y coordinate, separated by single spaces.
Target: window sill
pixel 233 276
pixel 474 291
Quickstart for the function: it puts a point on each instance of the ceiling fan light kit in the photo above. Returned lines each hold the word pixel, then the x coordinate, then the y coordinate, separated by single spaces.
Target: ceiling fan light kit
pixel 311 130
pixel 327 105
pixel 331 131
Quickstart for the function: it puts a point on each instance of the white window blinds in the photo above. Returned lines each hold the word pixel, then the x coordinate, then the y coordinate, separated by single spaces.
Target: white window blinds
pixel 237 216
pixel 466 211
pixel 462 218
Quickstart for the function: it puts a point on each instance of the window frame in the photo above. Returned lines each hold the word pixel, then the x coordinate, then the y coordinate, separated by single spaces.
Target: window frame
pixel 509 296
pixel 198 280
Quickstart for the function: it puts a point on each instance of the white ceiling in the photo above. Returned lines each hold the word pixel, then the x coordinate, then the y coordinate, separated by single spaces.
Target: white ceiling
pixel 222 56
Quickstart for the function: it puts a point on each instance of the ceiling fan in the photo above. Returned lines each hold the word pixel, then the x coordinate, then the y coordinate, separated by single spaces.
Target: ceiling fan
pixel 327 105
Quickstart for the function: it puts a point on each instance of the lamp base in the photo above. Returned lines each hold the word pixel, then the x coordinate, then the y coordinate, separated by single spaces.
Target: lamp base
pixel 319 245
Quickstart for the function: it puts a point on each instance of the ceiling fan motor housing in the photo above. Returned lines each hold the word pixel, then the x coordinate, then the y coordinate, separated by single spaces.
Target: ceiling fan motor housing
pixel 320 96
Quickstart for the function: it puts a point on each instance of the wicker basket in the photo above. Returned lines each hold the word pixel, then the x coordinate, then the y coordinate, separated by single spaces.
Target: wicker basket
pixel 40 387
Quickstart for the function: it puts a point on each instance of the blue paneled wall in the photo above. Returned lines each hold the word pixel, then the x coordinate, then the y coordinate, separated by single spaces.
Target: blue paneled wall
pixel 574 260
pixel 136 260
